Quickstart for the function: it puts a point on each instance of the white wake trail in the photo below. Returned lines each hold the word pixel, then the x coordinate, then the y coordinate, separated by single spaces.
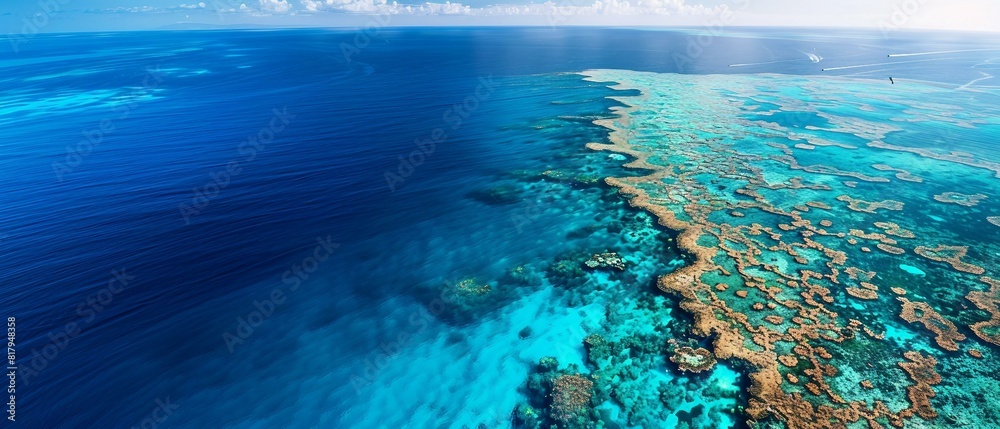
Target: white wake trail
pixel 877 64
pixel 942 52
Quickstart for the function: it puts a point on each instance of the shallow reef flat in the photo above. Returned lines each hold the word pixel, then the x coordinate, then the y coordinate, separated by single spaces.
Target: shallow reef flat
pixel 843 239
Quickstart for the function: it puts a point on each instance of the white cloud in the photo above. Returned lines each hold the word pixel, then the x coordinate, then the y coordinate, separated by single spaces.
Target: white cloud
pixel 134 9
pixel 564 8
pixel 275 6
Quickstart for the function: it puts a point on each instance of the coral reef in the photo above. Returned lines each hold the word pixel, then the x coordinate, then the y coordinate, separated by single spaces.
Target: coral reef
pixel 604 260
pixel 989 302
pixel 900 173
pixel 892 250
pixel 951 255
pixel 693 360
pixel 960 199
pixel 765 270
pixel 471 287
pixel 921 370
pixel 570 396
pixel 567 271
pixel 861 293
pixel 560 398
pixel 947 335
pixel 956 157
pixel 863 206
pixel 892 228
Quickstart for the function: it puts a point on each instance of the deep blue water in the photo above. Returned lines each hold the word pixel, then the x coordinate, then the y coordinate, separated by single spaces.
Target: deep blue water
pixel 177 108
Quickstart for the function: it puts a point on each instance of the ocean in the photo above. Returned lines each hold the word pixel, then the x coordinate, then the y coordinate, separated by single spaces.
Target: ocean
pixel 289 228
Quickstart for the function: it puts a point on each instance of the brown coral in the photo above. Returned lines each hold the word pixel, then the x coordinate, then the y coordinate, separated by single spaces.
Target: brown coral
pixel 921 370
pixel 892 228
pixel 570 395
pixel 989 302
pixel 870 206
pixel 680 200
pixel 693 360
pixel 892 250
pixel 788 360
pixel 900 173
pixel 862 293
pixel 951 255
pixel 774 319
pixel 947 334
pixel 960 199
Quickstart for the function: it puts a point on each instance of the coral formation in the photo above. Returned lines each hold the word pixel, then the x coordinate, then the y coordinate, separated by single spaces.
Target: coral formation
pixel 947 335
pixel 989 302
pixel 892 250
pixel 921 370
pixel 471 287
pixel 559 397
pixel 863 206
pixel 567 270
pixel 960 199
pixel 900 173
pixel 805 352
pixel 861 293
pixel 892 228
pixel 956 157
pixel 608 259
pixel 693 360
pixel 570 396
pixel 951 255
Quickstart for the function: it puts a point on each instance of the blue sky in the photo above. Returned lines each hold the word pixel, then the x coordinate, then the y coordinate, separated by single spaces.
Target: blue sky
pixel 20 16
